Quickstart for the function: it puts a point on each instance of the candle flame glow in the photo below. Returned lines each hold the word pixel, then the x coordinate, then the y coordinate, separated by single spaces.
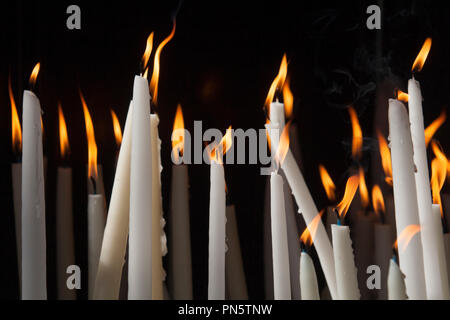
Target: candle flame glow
pixel 357 141
pixel 219 150
pixel 328 184
pixel 16 130
pixel 402 96
pixel 288 99
pixel 309 234
pixel 363 192
pixel 148 51
pixel 283 146
pixel 350 190
pixel 63 137
pixel 178 140
pixel 277 83
pixel 267 134
pixel 438 174
pixel 422 56
pixel 156 65
pixel 34 74
pixel 385 154
pixel 117 129
pixel 434 126
pixel 377 200
pixel 406 236
pixel 92 145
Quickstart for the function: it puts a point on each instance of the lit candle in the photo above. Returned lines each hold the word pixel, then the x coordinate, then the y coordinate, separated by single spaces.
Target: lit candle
pixel 405 198
pixel 117 133
pixel 114 244
pixel 395 282
pixel 217 220
pixel 34 270
pixel 180 263
pixel 65 255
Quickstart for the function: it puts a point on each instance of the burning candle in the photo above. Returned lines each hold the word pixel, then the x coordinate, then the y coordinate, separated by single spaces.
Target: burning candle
pixel 308 278
pixel 117 132
pixel 65 255
pixel 346 275
pixel 114 244
pixel 405 198
pixel 180 266
pixel 96 204
pixel 434 126
pixel 395 282
pixel 16 174
pixel 217 220
pixel 432 252
pixel 34 278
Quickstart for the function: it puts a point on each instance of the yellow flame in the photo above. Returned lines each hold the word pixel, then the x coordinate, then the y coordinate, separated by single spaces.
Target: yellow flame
pixel 145 76
pixel 357 140
pixel 155 75
pixel 277 83
pixel 218 151
pixel 402 96
pixel 63 137
pixel 377 200
pixel 363 192
pixel 16 130
pixel 434 126
pixel 268 135
pixel 327 183
pixel 116 127
pixel 283 146
pixel 309 234
pixel 386 161
pixel 422 56
pixel 178 142
pixel 148 51
pixel 34 74
pixel 438 174
pixel 92 145
pixel 406 236
pixel 288 99
pixel 350 190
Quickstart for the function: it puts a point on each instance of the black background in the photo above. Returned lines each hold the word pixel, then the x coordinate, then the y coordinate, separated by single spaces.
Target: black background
pixel 219 66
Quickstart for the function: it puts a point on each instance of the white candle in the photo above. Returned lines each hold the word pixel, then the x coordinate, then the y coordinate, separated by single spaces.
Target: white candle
pixel 96 226
pixel 281 275
pixel 346 279
pixel 396 282
pixel 140 234
pixel 114 244
pixel 405 198
pixel 216 263
pixel 234 268
pixel 157 233
pixel 16 172
pixel 180 267
pixel 308 279
pixel 65 250
pixel 99 187
pixel 34 278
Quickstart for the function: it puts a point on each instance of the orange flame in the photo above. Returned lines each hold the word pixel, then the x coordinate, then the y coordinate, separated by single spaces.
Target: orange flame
pixel 357 140
pixel 145 76
pixel 386 161
pixel 92 145
pixel 268 135
pixel 402 96
pixel 218 151
pixel 434 126
pixel 350 190
pixel 327 183
pixel 178 142
pixel 363 192
pixel 309 234
pixel 438 174
pixel 155 75
pixel 16 132
pixel 422 56
pixel 288 99
pixel 283 146
pixel 34 74
pixel 277 83
pixel 148 51
pixel 406 236
pixel 377 200
pixel 63 138
pixel 117 129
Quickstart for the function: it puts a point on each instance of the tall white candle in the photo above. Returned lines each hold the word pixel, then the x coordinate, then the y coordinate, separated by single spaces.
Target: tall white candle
pixel 395 282
pixel 34 272
pixel 281 274
pixel 433 251
pixel 346 279
pixel 405 198
pixel 140 234
pixel 114 244
pixel 308 279
pixel 216 263
pixel 96 226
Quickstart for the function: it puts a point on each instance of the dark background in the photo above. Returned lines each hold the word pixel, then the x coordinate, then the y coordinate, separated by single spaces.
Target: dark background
pixel 219 66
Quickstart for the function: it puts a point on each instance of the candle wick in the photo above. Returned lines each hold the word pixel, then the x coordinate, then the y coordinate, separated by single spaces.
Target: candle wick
pixel 94 184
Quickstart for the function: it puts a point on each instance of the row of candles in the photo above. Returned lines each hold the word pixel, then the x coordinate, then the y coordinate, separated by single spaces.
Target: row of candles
pixel 135 221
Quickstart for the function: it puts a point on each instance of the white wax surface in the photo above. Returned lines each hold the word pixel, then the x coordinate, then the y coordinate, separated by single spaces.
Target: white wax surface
pixel 405 198
pixel 34 272
pixel 308 279
pixel 96 226
pixel 396 283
